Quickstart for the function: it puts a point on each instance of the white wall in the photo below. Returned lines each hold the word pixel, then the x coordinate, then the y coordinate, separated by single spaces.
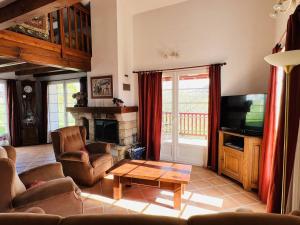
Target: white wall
pixel 112 40
pixel 105 45
pixel 205 32
pixel 125 53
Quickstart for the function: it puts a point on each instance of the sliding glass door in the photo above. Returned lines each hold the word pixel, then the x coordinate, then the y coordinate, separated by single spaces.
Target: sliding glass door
pixel 185 117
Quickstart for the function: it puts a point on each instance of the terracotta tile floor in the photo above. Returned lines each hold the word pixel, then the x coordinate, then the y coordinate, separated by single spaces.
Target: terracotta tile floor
pixel 207 192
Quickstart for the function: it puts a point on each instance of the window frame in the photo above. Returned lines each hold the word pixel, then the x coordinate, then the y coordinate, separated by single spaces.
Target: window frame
pixel 65 102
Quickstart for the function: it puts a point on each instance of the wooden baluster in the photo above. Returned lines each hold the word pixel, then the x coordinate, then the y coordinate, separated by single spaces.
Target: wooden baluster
pixel 87 33
pixel 51 28
pixel 69 26
pixel 196 124
pixel 61 28
pixel 81 30
pixel 76 28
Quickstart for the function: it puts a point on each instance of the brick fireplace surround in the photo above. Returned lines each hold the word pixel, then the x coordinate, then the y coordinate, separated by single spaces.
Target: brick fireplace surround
pixel 127 122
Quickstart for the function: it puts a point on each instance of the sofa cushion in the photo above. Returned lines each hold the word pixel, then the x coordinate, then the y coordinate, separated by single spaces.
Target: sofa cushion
pixel 19 187
pixel 28 219
pixel 100 159
pixel 122 220
pixel 244 219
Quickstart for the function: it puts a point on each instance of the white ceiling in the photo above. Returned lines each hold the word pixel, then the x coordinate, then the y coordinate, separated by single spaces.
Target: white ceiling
pixel 140 6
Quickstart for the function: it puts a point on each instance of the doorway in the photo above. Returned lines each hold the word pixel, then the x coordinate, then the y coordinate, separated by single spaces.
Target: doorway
pixel 185 117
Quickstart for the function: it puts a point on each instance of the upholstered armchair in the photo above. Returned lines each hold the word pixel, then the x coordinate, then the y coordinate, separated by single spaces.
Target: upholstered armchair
pixel 86 164
pixel 43 187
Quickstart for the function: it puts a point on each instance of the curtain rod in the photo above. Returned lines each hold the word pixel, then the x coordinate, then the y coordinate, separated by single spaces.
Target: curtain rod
pixel 179 68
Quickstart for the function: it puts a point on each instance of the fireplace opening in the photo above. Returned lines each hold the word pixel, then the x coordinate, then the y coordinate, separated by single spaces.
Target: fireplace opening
pixel 85 123
pixel 107 130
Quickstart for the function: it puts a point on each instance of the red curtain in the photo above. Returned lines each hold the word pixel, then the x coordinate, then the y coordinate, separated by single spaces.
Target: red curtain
pixel 150 112
pixel 292 43
pixel 14 121
pixel 214 115
pixel 270 134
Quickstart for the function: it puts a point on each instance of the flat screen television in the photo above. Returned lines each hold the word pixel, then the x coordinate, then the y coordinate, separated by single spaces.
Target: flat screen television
pixel 243 114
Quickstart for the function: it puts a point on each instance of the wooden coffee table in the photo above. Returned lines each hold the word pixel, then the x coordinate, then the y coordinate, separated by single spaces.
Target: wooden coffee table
pixel 164 175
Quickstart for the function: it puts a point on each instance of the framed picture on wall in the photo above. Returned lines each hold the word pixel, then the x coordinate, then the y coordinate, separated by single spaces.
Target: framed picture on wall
pixel 102 87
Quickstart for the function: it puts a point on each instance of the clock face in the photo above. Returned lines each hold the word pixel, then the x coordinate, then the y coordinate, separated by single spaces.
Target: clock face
pixel 27 89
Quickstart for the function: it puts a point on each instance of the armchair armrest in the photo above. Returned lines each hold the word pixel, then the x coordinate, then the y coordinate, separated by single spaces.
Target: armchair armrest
pixel 79 156
pixel 7 174
pixel 46 190
pixel 99 147
pixel 42 173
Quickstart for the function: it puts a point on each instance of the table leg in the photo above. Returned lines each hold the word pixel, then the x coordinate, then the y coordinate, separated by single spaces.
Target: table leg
pixel 177 196
pixel 117 188
pixel 183 189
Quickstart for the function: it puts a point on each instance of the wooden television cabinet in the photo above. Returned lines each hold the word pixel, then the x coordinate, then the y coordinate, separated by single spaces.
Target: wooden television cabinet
pixel 239 158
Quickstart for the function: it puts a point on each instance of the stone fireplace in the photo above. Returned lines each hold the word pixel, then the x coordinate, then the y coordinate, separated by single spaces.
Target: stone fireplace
pixel 125 116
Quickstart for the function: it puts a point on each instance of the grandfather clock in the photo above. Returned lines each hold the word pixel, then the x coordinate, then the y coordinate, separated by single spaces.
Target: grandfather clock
pixel 29 113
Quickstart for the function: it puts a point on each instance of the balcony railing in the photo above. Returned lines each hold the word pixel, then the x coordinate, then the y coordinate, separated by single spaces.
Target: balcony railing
pixel 189 124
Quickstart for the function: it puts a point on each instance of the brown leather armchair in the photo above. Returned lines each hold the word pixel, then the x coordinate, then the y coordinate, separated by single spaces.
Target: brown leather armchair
pixel 43 187
pixel 86 164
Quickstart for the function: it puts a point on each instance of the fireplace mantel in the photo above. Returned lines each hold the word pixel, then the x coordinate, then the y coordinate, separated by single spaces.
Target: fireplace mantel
pixel 107 110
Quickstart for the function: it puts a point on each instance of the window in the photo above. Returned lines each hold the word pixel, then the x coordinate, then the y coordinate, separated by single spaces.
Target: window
pixel 3 114
pixel 59 97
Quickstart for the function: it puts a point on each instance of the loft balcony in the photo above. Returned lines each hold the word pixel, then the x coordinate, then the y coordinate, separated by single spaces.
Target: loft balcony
pixel 62 43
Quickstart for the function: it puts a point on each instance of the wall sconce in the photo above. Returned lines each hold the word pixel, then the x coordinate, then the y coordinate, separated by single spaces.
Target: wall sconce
pixel 166 54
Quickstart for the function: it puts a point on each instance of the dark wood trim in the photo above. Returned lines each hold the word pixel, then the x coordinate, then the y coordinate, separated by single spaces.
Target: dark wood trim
pixel 19 11
pixel 37 70
pixel 58 72
pixel 23 66
pixel 108 110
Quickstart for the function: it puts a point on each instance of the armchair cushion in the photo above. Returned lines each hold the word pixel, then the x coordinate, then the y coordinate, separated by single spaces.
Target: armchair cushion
pixel 72 139
pixel 18 186
pixel 46 190
pixel 100 159
pixel 42 173
pixel 80 156
pixel 98 147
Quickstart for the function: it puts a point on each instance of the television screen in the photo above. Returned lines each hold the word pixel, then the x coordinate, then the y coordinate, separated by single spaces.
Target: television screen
pixel 243 113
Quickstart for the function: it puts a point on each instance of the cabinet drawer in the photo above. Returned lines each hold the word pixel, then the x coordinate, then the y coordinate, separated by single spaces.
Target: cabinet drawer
pixel 233 163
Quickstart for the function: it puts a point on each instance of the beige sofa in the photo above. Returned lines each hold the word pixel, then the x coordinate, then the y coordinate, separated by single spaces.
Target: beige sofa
pixel 45 187
pixel 86 164
pixel 214 219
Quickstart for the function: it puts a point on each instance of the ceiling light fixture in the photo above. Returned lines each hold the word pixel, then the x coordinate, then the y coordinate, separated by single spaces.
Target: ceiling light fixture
pixel 283 6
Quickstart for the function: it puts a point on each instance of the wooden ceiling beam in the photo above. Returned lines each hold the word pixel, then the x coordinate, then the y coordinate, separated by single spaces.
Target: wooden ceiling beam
pixel 38 70
pixel 17 66
pixel 54 73
pixel 21 11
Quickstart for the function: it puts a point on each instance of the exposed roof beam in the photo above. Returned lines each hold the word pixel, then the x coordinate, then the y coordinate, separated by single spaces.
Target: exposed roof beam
pixel 23 10
pixel 17 66
pixel 11 64
pixel 37 70
pixel 54 73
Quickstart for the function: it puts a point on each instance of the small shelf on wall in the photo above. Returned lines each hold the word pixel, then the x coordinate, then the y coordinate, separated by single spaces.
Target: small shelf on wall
pixel 107 110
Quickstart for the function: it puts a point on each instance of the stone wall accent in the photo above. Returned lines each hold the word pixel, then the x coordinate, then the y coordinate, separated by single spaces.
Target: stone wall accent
pixel 127 125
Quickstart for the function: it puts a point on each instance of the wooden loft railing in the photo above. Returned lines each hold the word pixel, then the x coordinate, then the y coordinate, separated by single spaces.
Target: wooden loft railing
pixel 67 48
pixel 71 28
